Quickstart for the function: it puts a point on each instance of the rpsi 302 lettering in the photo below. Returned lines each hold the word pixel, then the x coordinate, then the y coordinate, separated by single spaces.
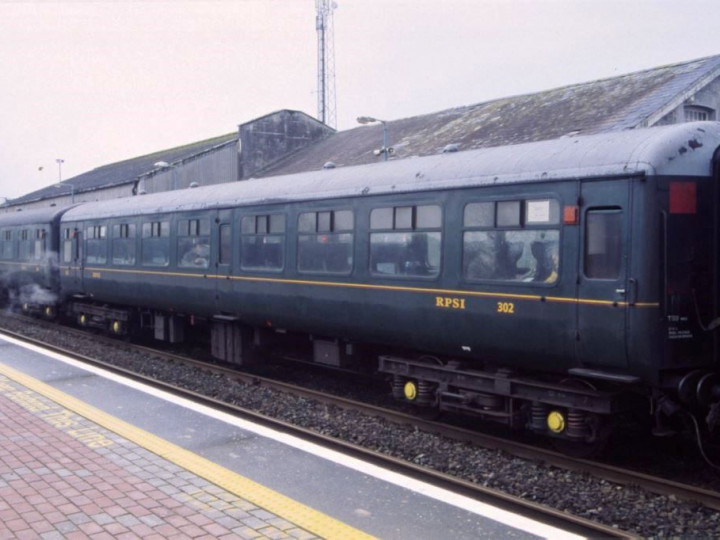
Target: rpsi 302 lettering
pixel 449 302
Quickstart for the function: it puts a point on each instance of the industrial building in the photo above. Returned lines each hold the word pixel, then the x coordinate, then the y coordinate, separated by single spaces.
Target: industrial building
pixel 287 141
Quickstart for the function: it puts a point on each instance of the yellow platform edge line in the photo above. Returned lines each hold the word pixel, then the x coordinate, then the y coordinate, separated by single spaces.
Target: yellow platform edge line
pixel 297 513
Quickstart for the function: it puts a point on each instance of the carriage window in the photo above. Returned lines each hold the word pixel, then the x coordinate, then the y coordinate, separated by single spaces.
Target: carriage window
pixel 508 213
pixel 404 249
pixel 26 245
pixel 480 214
pixel 193 243
pixel 40 244
pixel 32 244
pixel 123 244
pixel 516 255
pixel 542 211
pixel 325 242
pixel 262 243
pixel 67 238
pixel 225 245
pixel 96 248
pixel 156 243
pixel 502 243
pixel 6 248
pixel 603 243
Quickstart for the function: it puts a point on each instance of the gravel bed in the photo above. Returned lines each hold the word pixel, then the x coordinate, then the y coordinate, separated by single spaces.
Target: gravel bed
pixel 627 508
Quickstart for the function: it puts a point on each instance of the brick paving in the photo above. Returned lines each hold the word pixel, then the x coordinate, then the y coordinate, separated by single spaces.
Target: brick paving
pixel 63 477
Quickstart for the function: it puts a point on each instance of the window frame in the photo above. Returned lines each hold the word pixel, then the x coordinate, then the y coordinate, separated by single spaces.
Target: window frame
pixel 588 242
pixel 256 229
pixel 124 234
pixel 537 214
pixel 326 227
pixel 96 243
pixel 155 231
pixel 193 242
pixel 415 228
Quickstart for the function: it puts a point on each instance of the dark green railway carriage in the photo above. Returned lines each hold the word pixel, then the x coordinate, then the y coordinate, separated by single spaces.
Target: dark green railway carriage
pixel 28 258
pixel 545 285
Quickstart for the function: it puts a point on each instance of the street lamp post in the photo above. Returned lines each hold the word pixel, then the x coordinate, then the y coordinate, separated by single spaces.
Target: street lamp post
pixel 59 161
pixel 370 120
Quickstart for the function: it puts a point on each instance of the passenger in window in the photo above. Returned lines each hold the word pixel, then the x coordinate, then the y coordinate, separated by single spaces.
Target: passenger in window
pixel 483 264
pixel 510 253
pixel 198 256
pixel 415 256
pixel 552 278
pixel 546 257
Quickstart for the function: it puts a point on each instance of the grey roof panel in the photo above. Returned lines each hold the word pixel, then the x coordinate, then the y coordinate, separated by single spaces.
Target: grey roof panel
pixel 612 104
pixel 678 149
pixel 124 172
pixel 33 215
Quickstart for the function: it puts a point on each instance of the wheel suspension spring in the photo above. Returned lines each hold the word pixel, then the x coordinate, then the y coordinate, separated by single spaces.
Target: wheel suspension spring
pixel 426 393
pixel 577 427
pixel 398 384
pixel 538 415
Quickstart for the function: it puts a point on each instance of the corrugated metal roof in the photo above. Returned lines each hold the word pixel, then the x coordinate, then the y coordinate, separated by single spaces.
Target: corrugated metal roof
pixel 125 172
pixel 612 104
pixel 682 148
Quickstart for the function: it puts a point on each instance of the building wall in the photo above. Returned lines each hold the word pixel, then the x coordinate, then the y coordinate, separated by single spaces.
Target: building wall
pixel 216 167
pixel 708 98
pixel 269 139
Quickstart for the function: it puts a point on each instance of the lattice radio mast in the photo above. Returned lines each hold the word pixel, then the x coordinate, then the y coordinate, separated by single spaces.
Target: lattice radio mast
pixel 326 61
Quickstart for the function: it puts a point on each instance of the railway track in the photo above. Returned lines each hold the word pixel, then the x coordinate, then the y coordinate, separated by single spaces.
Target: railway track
pixel 650 483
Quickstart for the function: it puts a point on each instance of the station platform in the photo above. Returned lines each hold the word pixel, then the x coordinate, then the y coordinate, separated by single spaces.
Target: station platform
pixel 88 454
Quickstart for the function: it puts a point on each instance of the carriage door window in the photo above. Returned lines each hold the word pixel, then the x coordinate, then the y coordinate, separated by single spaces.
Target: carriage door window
pixel 225 256
pixel 69 235
pixel 40 246
pixel 6 252
pixel 603 243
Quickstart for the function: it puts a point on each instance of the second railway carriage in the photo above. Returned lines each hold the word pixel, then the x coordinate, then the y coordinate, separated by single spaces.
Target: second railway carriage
pixel 28 258
pixel 546 285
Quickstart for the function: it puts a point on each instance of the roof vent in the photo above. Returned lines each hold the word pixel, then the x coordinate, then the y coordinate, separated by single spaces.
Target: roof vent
pixel 453 147
pixel 194 185
pixel 329 165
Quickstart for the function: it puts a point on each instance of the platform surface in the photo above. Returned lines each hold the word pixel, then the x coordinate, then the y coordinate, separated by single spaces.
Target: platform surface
pixel 86 453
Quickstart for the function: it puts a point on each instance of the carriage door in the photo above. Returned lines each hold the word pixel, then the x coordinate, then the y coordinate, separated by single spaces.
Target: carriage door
pixel 224 260
pixel 604 287
pixel 71 257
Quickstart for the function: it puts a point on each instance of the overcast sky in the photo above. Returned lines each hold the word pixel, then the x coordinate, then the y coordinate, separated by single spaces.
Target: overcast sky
pixel 98 82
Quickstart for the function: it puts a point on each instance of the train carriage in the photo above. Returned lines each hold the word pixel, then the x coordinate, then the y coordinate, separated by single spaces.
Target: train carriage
pixel 28 258
pixel 548 285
